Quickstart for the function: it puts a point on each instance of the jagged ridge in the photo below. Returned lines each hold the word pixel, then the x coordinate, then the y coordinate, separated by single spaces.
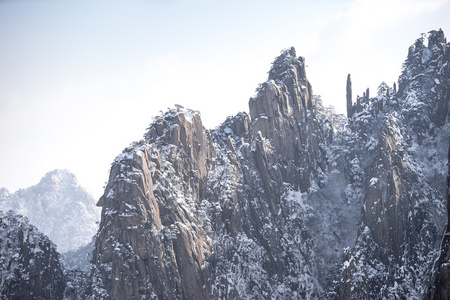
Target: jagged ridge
pixel 251 208
pixel 289 201
pixel 216 208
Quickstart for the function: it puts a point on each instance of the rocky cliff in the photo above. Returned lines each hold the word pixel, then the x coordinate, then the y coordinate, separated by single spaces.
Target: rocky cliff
pixel 290 201
pixel 201 214
pixel 400 142
pixel 439 287
pixel 152 240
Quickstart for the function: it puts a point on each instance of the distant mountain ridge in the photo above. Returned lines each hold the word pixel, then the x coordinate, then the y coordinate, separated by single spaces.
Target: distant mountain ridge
pixel 59 207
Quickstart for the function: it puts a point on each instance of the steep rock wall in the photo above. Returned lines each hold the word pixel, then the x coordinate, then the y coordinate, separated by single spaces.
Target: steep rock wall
pixel 439 288
pixel 399 141
pixel 151 241
pixel 193 214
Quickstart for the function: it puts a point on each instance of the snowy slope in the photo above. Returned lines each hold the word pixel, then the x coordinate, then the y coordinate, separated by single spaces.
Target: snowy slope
pixel 59 207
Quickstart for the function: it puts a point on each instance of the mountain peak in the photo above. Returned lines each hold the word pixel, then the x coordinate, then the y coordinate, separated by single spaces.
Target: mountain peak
pixel 59 207
pixel 435 38
pixel 286 66
pixel 286 93
pixel 171 127
pixel 430 40
pixel 424 60
pixel 58 177
pixel 425 50
pixel 290 201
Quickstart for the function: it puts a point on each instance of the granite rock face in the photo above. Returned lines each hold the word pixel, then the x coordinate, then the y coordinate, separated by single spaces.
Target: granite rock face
pixel 282 111
pixel 439 287
pixel 349 97
pixel 195 214
pixel 290 201
pixel 152 240
pixel 400 142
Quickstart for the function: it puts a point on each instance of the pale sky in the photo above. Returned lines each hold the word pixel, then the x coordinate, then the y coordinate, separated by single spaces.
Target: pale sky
pixel 81 80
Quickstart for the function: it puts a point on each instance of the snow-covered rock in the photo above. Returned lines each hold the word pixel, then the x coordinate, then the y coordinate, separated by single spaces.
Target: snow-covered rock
pixel 198 214
pixel 30 266
pixel 288 201
pixel 401 140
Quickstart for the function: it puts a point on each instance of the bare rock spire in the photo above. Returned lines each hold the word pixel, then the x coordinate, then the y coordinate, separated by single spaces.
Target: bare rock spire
pixel 349 97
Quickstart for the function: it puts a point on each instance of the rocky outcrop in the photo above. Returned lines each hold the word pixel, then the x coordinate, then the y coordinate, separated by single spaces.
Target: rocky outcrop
pixel 195 214
pixel 439 288
pixel 402 209
pixel 282 112
pixel 426 73
pixel 30 266
pixel 442 113
pixel 349 97
pixel 152 240
pixel 386 203
pixel 289 201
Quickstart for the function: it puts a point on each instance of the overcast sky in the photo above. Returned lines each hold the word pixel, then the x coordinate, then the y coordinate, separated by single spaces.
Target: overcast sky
pixel 81 80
